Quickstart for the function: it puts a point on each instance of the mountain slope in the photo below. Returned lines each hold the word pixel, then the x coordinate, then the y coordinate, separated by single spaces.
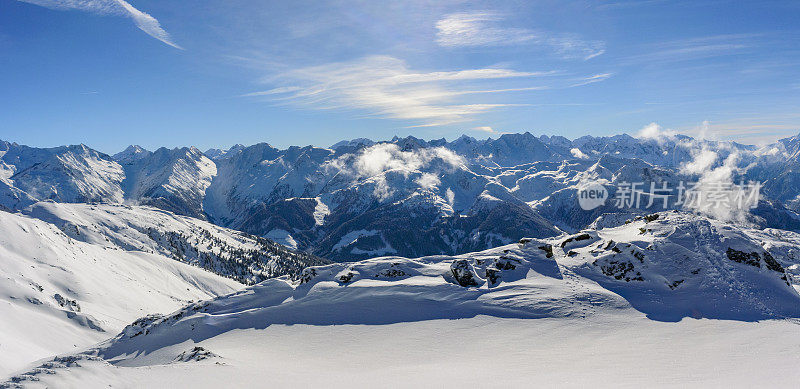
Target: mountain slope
pixel 65 174
pixel 173 180
pixel 643 279
pixel 75 273
pixel 232 254
pixel 58 293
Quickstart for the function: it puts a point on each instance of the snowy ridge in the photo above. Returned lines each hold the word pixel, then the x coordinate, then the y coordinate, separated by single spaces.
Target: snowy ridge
pixel 665 267
pixel 449 189
pixel 232 254
pixel 58 293
pixel 174 180
pixel 65 174
pixel 76 273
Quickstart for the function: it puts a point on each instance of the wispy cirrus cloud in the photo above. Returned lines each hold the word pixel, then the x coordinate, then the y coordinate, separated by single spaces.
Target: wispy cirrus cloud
pixel 475 29
pixel 697 48
pixel 592 79
pixel 385 86
pixel 479 29
pixel 143 20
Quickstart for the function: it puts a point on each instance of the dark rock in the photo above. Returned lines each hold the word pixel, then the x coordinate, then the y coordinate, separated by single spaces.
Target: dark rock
pixel 576 238
pixel 493 275
pixel 548 250
pixel 752 259
pixel 772 264
pixel 464 273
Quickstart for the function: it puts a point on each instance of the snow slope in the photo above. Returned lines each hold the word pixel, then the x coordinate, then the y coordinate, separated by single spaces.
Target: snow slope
pixel 66 174
pixel 174 180
pixel 649 302
pixel 485 351
pixel 233 254
pixel 58 294
pixel 74 274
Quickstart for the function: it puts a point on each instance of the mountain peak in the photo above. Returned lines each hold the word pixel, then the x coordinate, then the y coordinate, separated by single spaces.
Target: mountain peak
pixel 216 154
pixel 356 142
pixel 131 154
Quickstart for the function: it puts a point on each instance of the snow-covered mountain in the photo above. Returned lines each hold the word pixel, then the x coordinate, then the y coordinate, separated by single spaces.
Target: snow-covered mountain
pixel 595 296
pixel 174 180
pixel 219 153
pixel 232 254
pixel 408 196
pixel 362 199
pixel 58 293
pixel 74 274
pixel 64 174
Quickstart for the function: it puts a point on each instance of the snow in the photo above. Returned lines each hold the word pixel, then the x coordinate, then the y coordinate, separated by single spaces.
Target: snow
pixel 175 179
pixel 598 307
pixel 75 274
pixel 394 187
pixel 282 236
pixel 617 299
pixel 351 237
pixel 320 211
pixel 215 154
pixel 72 174
pixel 132 154
pixel 483 351
pixel 233 254
pixel 110 288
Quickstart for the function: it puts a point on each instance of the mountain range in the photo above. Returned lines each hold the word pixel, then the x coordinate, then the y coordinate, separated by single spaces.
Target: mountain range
pixel 150 268
pixel 411 197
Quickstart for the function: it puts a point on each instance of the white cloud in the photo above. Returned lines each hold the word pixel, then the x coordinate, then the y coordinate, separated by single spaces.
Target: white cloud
pixel 572 46
pixel 373 163
pixel 148 24
pixel 450 196
pixel 485 129
pixel 710 180
pixel 384 86
pixel 696 48
pixel 577 153
pixel 592 79
pixel 703 160
pixel 428 181
pixel 475 29
pixel 144 21
pixel 383 157
pixel 654 131
pixel 758 131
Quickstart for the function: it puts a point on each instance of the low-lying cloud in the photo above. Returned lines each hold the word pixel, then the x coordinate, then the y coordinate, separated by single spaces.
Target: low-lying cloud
pixel 715 181
pixel 372 164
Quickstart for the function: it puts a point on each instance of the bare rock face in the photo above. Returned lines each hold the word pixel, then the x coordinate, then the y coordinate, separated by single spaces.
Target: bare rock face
pixel 464 273
pixel 195 355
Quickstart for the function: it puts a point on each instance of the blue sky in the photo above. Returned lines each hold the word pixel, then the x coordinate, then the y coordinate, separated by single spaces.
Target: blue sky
pixel 109 73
